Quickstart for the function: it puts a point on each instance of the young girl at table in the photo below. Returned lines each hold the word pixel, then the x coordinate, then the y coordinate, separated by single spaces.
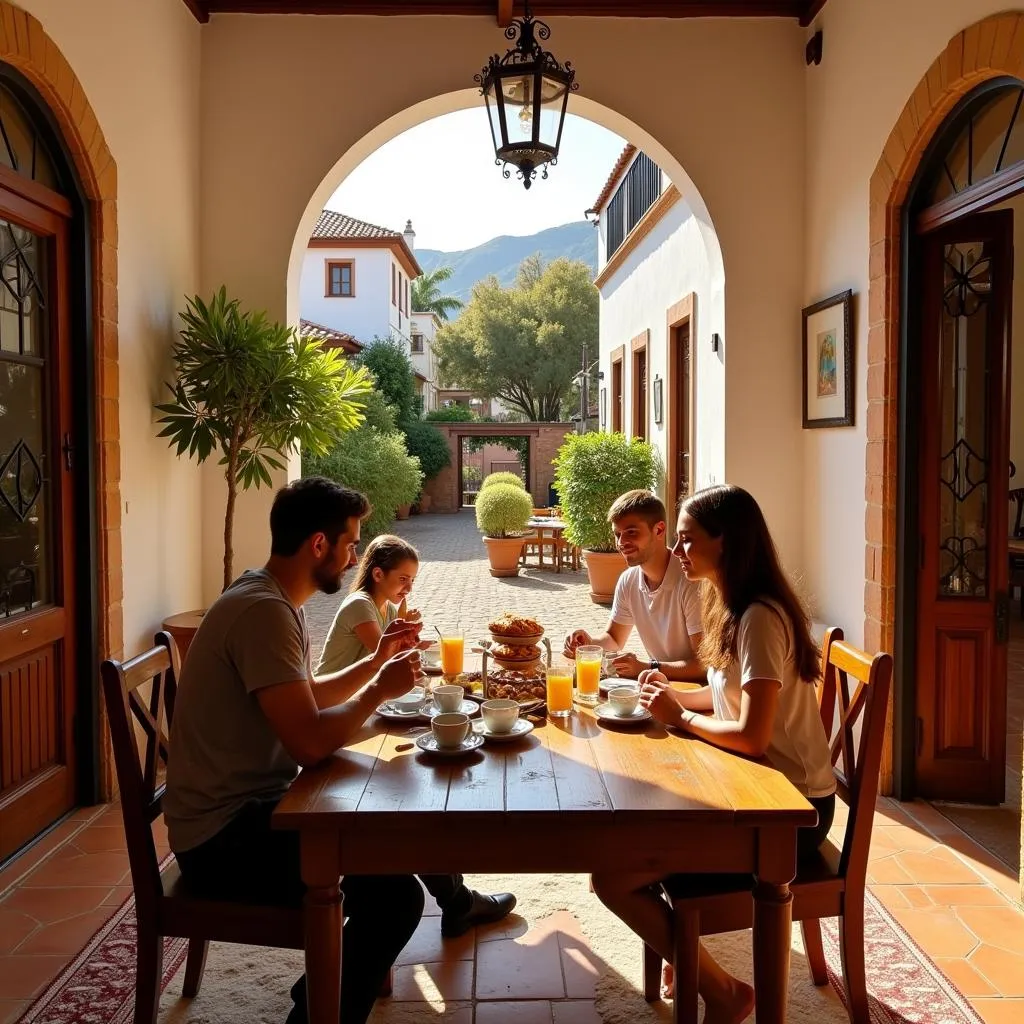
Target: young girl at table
pixel 762 667
pixel 383 582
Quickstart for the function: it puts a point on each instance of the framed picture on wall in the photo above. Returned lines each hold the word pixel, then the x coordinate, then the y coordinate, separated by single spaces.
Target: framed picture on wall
pixel 659 387
pixel 828 362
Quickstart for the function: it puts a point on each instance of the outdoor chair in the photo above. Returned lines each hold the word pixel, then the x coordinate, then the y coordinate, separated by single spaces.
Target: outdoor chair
pixel 163 905
pixel 833 884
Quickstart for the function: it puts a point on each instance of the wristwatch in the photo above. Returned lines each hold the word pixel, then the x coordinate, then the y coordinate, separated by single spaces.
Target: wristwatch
pixel 655 664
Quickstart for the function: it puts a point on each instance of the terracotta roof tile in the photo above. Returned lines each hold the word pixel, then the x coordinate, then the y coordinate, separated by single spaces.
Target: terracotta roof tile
pixel 620 165
pixel 330 337
pixel 340 225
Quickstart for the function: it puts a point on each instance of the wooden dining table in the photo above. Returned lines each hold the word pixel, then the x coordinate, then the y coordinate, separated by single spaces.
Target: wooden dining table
pixel 572 796
pixel 541 527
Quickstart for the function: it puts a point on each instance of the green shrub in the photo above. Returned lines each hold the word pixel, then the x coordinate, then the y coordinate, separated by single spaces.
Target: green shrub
pixel 429 445
pixel 392 370
pixel 375 462
pixel 503 478
pixel 502 510
pixel 452 414
pixel 591 471
pixel 471 474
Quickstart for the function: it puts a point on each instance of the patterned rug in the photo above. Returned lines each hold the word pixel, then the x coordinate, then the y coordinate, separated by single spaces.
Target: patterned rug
pixel 247 985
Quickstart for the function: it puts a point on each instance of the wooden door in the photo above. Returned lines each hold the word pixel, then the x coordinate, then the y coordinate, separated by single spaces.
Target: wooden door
pixel 681 400
pixel 37 549
pixel 964 482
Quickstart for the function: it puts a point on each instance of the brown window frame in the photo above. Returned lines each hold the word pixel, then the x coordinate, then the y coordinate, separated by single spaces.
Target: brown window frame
pixel 329 265
pixel 640 386
pixel 616 411
pixel 394 292
pixel 412 343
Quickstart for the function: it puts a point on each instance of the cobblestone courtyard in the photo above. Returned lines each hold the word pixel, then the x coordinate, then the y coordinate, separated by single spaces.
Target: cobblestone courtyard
pixel 454 586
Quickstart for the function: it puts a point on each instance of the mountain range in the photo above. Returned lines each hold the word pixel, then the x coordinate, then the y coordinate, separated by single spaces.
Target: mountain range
pixel 501 256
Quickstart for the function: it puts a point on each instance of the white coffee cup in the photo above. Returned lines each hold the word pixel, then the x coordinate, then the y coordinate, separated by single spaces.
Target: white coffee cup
pixel 623 700
pixel 450 730
pixel 448 696
pixel 499 715
pixel 411 701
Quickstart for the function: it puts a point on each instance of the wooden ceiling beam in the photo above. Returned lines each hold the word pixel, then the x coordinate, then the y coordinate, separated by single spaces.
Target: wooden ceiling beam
pixel 505 13
pixel 199 11
pixel 812 8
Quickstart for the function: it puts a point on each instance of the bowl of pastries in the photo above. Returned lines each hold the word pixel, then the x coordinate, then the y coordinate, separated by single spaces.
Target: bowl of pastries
pixel 525 686
pixel 514 630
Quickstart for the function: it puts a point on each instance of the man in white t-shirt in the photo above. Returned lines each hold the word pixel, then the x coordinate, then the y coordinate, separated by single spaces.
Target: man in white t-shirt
pixel 652 594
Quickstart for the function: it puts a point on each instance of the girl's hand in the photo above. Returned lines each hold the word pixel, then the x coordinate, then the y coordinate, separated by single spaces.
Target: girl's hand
pixel 413 615
pixel 659 698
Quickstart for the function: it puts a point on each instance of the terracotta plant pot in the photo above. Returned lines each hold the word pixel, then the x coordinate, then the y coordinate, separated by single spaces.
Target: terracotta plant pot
pixel 503 554
pixel 425 502
pixel 604 569
pixel 403 511
pixel 183 628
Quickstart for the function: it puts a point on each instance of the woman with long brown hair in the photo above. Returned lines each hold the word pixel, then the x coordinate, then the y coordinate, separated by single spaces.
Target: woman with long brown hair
pixel 762 667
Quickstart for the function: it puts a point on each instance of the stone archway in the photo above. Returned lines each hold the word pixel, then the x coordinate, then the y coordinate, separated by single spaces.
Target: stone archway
pixel 25 46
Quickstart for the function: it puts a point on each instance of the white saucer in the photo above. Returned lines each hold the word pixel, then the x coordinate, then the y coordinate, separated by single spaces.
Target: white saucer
pixel 428 745
pixel 520 729
pixel 604 712
pixel 392 715
pixel 469 707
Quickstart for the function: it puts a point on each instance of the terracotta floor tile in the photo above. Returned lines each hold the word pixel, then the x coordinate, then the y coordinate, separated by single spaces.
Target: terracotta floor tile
pixel 451 980
pixel 117 895
pixel 889 872
pixel 904 837
pixel 65 937
pixel 1005 970
pixel 964 896
pixel 426 945
pixel 99 839
pixel 580 969
pixel 49 905
pixel 36 854
pixel 510 969
pixel 893 896
pixel 15 927
pixel 940 867
pixel 537 1012
pixel 104 869
pixel 890 812
pixel 511 927
pixel 1000 1011
pixel 998 926
pixel 22 977
pixel 12 1009
pixel 962 974
pixel 937 931
pixel 575 1012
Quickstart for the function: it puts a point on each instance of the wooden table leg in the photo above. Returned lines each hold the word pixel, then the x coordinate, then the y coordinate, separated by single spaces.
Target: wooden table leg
pixel 323 921
pixel 773 923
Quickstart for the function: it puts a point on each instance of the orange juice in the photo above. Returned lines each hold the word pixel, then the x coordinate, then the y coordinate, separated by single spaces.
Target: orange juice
pixel 588 678
pixel 451 655
pixel 559 694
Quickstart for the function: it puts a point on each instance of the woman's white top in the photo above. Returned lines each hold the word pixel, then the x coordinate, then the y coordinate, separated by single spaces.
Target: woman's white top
pixel 764 650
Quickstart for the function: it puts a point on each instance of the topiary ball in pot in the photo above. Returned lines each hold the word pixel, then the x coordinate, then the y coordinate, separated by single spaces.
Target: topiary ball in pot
pixel 502 512
pixel 503 477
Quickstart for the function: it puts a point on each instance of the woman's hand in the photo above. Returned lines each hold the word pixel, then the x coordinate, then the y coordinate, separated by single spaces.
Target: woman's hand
pixel 657 695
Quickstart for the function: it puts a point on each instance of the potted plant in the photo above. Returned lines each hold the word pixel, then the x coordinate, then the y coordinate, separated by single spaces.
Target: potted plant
pixel 251 391
pixel 503 477
pixel 591 471
pixel 502 512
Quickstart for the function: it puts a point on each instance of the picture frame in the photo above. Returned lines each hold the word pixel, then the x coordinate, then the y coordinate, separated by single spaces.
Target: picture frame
pixel 659 389
pixel 827 365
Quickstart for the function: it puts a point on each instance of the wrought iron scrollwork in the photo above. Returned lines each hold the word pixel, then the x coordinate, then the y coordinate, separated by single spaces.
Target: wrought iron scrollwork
pixel 968 283
pixel 967 575
pixel 955 470
pixel 21 481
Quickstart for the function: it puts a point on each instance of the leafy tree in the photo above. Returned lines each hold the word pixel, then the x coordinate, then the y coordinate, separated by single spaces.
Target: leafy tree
pixel 429 445
pixel 452 414
pixel 427 296
pixel 392 371
pixel 523 344
pixel 253 391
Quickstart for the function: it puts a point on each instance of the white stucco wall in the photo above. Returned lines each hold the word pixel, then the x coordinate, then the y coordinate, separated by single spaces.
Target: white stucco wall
pixel 875 53
pixel 425 362
pixel 368 313
pixel 138 62
pixel 668 264
pixel 728 129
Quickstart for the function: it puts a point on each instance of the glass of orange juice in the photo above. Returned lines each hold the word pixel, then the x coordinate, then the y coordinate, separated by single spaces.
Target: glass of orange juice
pixel 452 642
pixel 559 688
pixel 588 673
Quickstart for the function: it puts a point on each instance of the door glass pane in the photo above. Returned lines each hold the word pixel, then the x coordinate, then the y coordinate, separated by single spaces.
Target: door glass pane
pixel 26 525
pixel 964 345
pixel 21 149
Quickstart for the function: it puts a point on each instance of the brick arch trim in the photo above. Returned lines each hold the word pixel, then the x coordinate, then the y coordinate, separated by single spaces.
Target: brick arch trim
pixel 25 45
pixel 988 49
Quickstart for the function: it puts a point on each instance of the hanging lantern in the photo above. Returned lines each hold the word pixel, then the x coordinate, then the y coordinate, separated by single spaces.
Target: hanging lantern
pixel 526 93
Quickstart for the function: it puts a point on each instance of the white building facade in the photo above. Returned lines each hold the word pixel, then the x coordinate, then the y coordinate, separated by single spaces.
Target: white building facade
pixel 422 334
pixel 661 324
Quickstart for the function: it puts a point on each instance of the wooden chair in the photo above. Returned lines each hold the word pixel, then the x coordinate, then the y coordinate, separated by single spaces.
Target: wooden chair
pixel 163 906
pixel 833 884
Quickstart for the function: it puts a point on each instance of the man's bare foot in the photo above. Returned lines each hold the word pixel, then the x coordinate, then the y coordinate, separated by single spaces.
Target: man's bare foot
pixel 668 982
pixel 737 1006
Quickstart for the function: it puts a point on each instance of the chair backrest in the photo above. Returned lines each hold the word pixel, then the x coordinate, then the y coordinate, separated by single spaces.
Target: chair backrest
pixel 854 704
pixel 139 772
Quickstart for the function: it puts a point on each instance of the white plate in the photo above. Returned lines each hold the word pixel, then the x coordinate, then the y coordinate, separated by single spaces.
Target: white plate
pixel 388 712
pixel 604 712
pixel 469 707
pixel 520 729
pixel 428 745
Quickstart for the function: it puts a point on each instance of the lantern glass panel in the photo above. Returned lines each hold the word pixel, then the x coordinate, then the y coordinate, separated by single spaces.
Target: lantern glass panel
pixel 553 96
pixel 494 116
